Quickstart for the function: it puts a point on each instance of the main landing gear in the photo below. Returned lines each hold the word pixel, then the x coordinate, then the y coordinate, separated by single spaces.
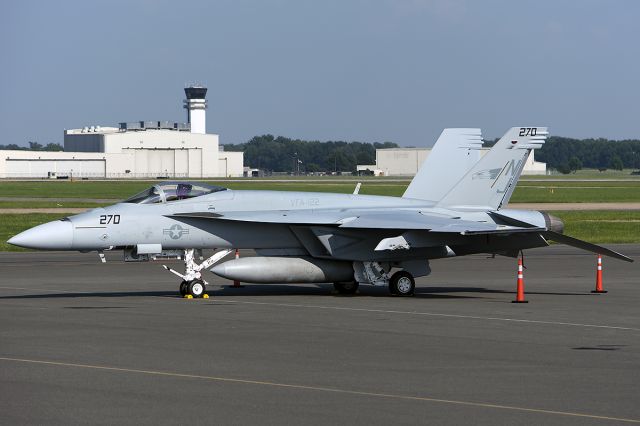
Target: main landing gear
pixel 401 283
pixel 192 282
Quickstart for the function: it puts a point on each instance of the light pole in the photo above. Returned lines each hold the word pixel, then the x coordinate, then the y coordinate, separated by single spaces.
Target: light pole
pixel 295 161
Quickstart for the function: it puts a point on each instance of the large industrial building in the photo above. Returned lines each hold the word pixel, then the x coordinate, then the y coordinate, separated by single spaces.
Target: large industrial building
pixel 141 149
pixel 407 161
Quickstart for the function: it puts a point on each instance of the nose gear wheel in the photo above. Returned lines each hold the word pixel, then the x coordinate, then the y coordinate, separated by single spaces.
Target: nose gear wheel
pixel 192 282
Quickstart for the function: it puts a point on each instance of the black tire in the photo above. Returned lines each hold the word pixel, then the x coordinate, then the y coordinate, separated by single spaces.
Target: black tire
pixel 183 288
pixel 196 288
pixel 346 287
pixel 402 284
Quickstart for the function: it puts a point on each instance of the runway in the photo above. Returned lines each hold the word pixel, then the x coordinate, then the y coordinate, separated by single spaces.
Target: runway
pixel 85 342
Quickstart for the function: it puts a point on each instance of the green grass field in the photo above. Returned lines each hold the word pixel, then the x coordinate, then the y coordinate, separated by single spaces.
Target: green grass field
pixel 76 189
pixel 587 192
pixel 602 226
pixel 589 174
pixel 48 204
pixel 526 192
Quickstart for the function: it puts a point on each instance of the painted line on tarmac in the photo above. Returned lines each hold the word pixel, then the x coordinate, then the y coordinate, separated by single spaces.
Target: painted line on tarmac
pixel 320 389
pixel 433 314
pixel 45 290
pixel 382 311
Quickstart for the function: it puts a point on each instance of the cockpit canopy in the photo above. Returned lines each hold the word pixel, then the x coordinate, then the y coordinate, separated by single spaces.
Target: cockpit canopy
pixel 173 191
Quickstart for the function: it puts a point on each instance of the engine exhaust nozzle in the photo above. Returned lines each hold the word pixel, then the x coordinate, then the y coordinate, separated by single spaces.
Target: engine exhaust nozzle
pixel 553 223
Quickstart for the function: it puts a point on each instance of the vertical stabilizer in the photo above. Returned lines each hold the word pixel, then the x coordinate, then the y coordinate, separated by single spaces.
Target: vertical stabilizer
pixel 453 154
pixel 491 181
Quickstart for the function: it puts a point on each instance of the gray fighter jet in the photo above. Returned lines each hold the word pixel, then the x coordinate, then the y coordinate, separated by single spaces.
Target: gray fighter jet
pixel 453 207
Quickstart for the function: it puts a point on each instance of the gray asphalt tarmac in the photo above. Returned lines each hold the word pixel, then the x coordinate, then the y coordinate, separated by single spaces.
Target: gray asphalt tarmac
pixel 84 342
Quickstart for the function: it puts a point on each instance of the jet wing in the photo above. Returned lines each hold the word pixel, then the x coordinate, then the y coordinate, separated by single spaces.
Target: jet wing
pixel 323 225
pixel 400 220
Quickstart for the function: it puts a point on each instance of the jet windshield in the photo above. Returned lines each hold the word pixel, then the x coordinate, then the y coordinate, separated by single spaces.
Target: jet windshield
pixel 173 191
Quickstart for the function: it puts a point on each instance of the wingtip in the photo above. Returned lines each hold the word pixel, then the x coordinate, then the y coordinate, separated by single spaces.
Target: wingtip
pixel 584 245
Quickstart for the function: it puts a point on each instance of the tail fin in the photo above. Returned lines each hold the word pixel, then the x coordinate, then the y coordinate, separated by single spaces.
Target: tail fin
pixel 491 181
pixel 453 154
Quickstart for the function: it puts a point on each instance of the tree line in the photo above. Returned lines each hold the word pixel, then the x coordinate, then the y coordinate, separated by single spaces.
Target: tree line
pixel 280 154
pixel 33 146
pixel 568 155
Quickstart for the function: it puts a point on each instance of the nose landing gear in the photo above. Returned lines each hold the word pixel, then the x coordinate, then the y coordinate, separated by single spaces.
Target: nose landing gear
pixel 195 288
pixel 192 282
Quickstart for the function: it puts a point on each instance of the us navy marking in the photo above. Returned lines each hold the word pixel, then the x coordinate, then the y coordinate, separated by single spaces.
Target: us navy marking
pixel 175 232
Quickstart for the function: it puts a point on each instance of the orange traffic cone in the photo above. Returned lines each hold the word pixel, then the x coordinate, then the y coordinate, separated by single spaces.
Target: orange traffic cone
pixel 236 283
pixel 520 285
pixel 599 277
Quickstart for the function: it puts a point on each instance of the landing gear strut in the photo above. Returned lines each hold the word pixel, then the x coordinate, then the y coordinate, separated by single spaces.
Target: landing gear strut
pixel 401 283
pixel 192 282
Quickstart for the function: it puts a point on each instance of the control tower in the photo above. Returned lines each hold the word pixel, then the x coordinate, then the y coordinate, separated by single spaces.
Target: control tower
pixel 196 106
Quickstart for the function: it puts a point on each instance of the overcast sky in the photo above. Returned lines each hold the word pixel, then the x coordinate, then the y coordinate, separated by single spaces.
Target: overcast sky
pixel 396 70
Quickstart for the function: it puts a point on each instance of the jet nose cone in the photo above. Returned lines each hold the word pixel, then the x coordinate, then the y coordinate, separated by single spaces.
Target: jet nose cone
pixel 57 235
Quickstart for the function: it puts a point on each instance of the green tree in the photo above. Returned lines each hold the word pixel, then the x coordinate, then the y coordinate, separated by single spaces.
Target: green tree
pixel 280 154
pixel 593 153
pixel 574 164
pixel 616 163
pixel 12 146
pixel 35 146
pixel 53 147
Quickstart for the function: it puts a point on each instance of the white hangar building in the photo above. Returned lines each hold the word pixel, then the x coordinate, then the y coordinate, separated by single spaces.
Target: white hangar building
pixel 407 161
pixel 142 149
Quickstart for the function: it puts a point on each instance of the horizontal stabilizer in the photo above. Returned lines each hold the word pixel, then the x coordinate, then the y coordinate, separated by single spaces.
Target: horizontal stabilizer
pixel 574 242
pixel 504 229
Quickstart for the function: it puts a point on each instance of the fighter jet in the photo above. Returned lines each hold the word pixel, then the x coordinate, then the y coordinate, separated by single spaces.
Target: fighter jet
pixel 454 206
